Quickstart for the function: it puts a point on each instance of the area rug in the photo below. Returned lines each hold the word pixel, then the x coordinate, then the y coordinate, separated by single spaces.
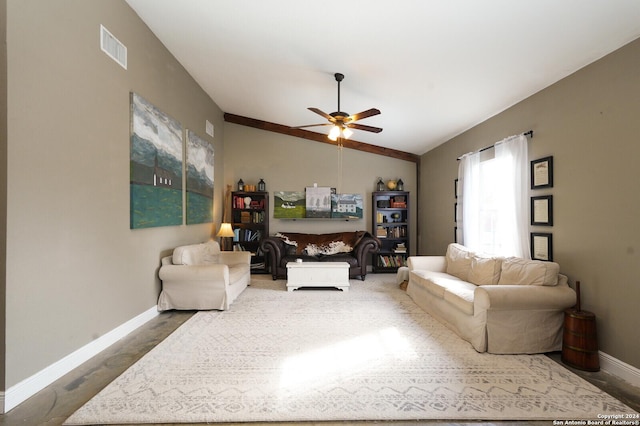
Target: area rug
pixel 326 355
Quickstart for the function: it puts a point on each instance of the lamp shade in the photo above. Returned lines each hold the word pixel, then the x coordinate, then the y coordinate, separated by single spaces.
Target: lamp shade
pixel 334 133
pixel 225 230
pixel 340 131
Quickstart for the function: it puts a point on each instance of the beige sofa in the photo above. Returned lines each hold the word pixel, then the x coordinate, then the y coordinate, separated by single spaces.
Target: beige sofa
pixel 201 277
pixel 499 305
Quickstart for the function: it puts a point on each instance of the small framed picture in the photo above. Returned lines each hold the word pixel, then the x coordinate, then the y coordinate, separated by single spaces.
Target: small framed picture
pixel 541 246
pixel 542 173
pixel 542 210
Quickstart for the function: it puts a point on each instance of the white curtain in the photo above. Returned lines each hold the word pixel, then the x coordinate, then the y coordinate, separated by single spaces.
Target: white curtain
pixel 494 195
pixel 469 200
pixel 512 155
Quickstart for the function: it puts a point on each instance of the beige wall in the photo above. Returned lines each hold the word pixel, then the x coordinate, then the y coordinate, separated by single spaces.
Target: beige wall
pixel 290 164
pixel 3 180
pixel 590 123
pixel 74 269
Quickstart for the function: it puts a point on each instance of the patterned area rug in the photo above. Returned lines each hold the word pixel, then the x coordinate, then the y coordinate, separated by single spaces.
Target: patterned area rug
pixel 314 355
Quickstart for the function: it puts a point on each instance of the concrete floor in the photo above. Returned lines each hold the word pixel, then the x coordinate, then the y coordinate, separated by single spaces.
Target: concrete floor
pixel 58 401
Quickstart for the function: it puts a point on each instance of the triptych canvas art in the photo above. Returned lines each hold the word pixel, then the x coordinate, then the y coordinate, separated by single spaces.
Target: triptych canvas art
pixel 317 202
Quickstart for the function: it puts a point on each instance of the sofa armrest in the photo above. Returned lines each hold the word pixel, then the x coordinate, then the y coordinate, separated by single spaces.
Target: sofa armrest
pixel 234 257
pixel 273 245
pixel 274 249
pixel 217 272
pixel 524 297
pixel 366 245
pixel 428 263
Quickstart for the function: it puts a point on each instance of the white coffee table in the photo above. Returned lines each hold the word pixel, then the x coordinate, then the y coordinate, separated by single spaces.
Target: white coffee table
pixel 318 274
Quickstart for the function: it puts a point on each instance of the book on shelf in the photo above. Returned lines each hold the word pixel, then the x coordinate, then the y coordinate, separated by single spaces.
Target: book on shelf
pixel 258 265
pixel 392 261
pixel 381 232
pixel 397 232
pixel 240 235
pixel 400 248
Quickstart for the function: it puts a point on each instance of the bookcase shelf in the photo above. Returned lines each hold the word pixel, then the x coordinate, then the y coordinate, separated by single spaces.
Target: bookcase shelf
pixel 250 223
pixel 391 225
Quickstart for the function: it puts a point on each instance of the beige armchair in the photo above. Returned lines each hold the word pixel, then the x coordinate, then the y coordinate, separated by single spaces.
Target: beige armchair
pixel 201 277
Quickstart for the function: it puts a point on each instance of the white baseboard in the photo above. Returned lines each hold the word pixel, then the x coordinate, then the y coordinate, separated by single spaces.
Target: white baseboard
pixel 32 385
pixel 620 369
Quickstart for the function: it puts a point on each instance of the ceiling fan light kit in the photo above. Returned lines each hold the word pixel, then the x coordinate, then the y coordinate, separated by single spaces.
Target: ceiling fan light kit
pixel 341 121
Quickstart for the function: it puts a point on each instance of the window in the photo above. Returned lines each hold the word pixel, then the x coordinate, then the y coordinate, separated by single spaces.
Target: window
pixel 494 199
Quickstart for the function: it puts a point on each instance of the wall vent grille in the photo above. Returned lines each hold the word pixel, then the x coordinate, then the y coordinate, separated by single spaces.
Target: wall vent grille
pixel 112 47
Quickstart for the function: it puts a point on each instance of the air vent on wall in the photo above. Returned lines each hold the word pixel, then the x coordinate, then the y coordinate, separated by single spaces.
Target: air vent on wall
pixel 112 47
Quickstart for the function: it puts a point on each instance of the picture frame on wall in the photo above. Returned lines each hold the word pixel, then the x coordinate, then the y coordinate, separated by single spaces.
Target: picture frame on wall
pixel 318 201
pixel 542 210
pixel 542 173
pixel 541 246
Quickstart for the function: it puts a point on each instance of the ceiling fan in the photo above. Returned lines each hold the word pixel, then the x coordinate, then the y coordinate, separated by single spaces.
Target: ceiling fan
pixel 343 122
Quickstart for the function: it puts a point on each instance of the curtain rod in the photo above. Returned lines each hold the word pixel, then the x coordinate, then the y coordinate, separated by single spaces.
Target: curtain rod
pixel 529 133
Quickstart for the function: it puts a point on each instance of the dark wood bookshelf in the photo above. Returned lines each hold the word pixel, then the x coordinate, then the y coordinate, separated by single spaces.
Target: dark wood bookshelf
pixel 390 224
pixel 250 216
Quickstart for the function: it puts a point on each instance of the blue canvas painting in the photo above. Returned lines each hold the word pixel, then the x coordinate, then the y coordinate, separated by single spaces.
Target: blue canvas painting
pixel 199 179
pixel 155 167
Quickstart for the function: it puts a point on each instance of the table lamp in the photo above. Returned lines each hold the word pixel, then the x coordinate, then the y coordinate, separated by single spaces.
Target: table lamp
pixel 225 232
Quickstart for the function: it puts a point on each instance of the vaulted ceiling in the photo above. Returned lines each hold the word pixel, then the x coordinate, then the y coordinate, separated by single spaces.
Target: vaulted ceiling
pixel 434 68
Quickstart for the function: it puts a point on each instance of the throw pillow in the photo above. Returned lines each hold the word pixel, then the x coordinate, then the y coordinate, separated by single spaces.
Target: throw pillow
pixel 520 271
pixel 458 260
pixel 210 253
pixel 485 270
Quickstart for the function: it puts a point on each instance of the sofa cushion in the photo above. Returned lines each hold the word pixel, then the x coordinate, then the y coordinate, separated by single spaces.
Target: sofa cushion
pixel 520 271
pixel 460 294
pixel 197 254
pixel 322 244
pixel 485 270
pixel 458 259
pixel 434 282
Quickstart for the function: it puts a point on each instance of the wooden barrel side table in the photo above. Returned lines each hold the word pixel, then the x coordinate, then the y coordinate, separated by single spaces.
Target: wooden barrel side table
pixel 580 340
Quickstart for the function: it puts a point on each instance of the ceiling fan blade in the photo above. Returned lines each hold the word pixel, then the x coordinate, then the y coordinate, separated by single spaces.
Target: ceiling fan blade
pixel 322 113
pixel 364 114
pixel 363 127
pixel 312 125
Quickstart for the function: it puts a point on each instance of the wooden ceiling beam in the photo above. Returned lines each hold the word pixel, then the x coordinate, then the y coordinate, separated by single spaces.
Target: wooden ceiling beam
pixel 319 137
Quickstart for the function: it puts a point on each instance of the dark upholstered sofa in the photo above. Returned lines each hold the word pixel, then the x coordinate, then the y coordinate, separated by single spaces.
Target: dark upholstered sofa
pixel 350 247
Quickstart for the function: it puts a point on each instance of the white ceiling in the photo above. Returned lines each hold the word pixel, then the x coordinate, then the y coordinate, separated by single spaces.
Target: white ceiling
pixel 435 68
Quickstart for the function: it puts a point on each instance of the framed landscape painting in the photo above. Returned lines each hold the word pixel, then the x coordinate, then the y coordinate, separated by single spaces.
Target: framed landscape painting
pixel 155 167
pixel 199 179
pixel 346 206
pixel 318 201
pixel 289 205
